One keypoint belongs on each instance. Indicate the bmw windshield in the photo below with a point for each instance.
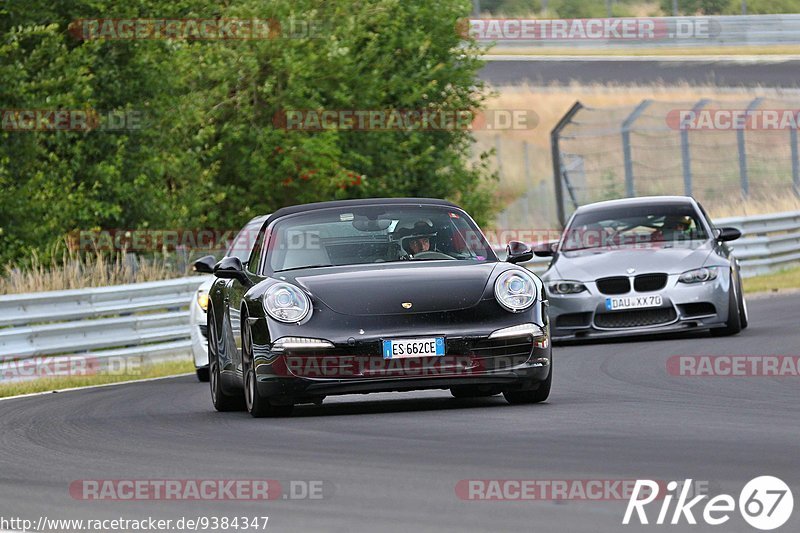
(660, 225)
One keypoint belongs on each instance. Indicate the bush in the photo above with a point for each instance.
(209, 154)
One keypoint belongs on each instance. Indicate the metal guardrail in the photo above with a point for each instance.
(145, 320)
(768, 243)
(149, 320)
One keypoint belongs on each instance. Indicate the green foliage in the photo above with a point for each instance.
(208, 153)
(762, 7)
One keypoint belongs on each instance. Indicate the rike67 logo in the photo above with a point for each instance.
(765, 503)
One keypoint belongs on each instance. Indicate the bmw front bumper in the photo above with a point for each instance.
(685, 306)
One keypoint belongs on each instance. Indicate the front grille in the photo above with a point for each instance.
(203, 330)
(615, 285)
(515, 346)
(573, 320)
(635, 319)
(463, 356)
(650, 282)
(698, 309)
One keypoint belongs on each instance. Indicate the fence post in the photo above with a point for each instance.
(745, 179)
(795, 161)
(686, 157)
(555, 152)
(498, 156)
(626, 145)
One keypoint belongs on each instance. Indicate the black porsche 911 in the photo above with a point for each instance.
(374, 295)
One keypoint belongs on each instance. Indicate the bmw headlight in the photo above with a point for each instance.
(286, 303)
(566, 287)
(515, 290)
(698, 275)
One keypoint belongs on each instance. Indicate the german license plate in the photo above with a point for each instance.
(400, 348)
(633, 302)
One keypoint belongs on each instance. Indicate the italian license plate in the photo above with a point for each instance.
(633, 302)
(400, 348)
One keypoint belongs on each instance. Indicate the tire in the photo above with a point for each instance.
(257, 405)
(222, 401)
(531, 396)
(202, 374)
(743, 318)
(473, 391)
(254, 403)
(734, 323)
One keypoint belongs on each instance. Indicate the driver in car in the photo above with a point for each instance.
(419, 244)
(417, 239)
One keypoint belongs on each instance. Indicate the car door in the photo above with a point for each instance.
(251, 243)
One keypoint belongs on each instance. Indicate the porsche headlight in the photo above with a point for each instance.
(698, 275)
(286, 303)
(515, 290)
(202, 300)
(566, 287)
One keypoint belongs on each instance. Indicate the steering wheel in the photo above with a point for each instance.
(432, 255)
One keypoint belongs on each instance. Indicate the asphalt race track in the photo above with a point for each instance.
(391, 462)
(772, 74)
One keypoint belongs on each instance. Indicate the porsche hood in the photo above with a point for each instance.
(389, 289)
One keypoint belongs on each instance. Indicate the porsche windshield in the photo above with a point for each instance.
(375, 234)
(662, 225)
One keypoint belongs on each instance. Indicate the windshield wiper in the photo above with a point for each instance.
(304, 266)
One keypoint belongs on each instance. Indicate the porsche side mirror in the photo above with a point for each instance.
(517, 252)
(547, 249)
(728, 234)
(231, 268)
(205, 265)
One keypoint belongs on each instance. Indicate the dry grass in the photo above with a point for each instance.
(783, 279)
(550, 104)
(154, 370)
(78, 271)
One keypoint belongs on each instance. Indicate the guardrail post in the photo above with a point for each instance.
(795, 161)
(626, 145)
(745, 179)
(686, 156)
(556, 156)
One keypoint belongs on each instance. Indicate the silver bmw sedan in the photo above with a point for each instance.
(643, 265)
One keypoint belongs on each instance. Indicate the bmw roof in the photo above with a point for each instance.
(638, 201)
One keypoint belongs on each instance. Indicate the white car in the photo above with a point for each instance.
(240, 247)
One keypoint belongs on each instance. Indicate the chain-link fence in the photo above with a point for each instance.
(715, 151)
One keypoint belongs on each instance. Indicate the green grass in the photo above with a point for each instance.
(170, 368)
(784, 279)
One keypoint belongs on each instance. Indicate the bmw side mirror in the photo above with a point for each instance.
(518, 252)
(231, 268)
(728, 234)
(547, 249)
(205, 265)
